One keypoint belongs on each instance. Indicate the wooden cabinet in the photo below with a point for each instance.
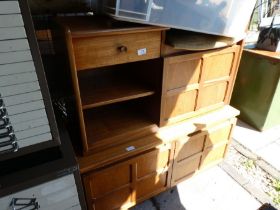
(115, 103)
(126, 94)
(128, 182)
(197, 83)
(200, 150)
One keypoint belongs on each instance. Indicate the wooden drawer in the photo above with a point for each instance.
(91, 52)
(197, 83)
(57, 194)
(128, 182)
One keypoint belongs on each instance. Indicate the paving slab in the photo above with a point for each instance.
(271, 154)
(212, 189)
(254, 139)
(146, 205)
(265, 146)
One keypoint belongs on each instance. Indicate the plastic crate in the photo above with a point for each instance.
(220, 17)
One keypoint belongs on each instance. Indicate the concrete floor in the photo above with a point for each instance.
(212, 189)
(263, 146)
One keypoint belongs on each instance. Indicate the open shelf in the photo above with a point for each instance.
(93, 95)
(111, 125)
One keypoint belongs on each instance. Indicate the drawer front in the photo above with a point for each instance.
(123, 184)
(57, 194)
(197, 83)
(110, 50)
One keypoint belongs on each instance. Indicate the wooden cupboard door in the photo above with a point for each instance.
(219, 134)
(188, 152)
(212, 156)
(197, 83)
(124, 184)
(189, 146)
(213, 94)
(201, 150)
(185, 169)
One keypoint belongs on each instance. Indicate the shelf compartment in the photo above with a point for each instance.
(116, 91)
(115, 124)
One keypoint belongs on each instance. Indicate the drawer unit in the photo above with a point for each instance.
(60, 194)
(91, 52)
(27, 121)
(200, 150)
(196, 83)
(128, 182)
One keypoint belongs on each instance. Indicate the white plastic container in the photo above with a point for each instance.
(220, 17)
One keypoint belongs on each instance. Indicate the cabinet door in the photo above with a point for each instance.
(197, 83)
(188, 152)
(123, 185)
(200, 150)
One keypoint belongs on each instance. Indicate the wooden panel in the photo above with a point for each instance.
(189, 146)
(9, 7)
(13, 57)
(115, 125)
(16, 68)
(213, 94)
(212, 156)
(218, 66)
(108, 180)
(129, 181)
(12, 33)
(218, 134)
(12, 20)
(181, 71)
(14, 45)
(102, 51)
(116, 200)
(156, 161)
(185, 168)
(148, 186)
(179, 104)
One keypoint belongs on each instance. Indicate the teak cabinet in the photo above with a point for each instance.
(140, 110)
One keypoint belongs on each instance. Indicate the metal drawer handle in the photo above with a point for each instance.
(6, 131)
(8, 140)
(122, 48)
(3, 112)
(14, 148)
(1, 102)
(24, 204)
(4, 122)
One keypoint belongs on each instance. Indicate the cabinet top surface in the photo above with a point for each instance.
(83, 26)
(264, 53)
